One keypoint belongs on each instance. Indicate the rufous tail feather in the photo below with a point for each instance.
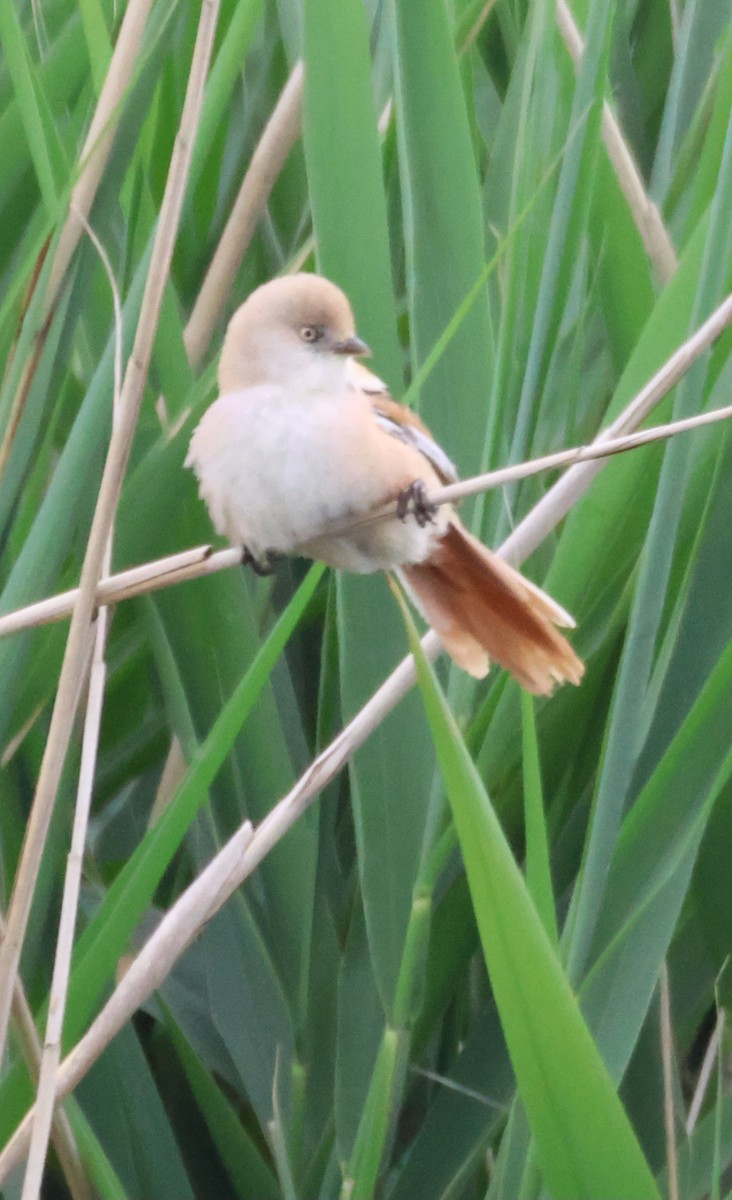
(484, 609)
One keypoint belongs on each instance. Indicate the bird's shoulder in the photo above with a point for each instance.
(399, 421)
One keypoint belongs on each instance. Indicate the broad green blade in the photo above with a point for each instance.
(586, 1144)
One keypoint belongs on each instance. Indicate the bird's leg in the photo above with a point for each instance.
(414, 499)
(261, 567)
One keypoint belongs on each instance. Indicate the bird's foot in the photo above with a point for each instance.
(261, 566)
(414, 499)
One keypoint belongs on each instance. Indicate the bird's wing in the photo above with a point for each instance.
(400, 422)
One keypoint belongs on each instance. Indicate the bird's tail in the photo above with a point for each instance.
(484, 609)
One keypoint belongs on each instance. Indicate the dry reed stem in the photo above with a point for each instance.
(198, 334)
(478, 24)
(574, 483)
(201, 561)
(76, 657)
(175, 568)
(98, 143)
(62, 1135)
(645, 213)
(51, 1056)
(174, 770)
(93, 159)
(246, 849)
(279, 136)
(593, 452)
(643, 210)
(192, 564)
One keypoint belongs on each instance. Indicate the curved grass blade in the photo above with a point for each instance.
(586, 1143)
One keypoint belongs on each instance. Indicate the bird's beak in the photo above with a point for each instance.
(352, 345)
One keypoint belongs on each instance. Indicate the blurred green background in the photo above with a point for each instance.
(355, 1021)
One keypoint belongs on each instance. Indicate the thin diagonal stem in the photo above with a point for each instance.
(583, 461)
(644, 211)
(247, 849)
(77, 654)
(46, 1090)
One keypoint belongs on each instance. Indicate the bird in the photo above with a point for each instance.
(304, 444)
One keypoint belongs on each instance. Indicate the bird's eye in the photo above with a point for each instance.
(311, 333)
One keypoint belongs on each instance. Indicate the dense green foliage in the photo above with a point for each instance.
(375, 1013)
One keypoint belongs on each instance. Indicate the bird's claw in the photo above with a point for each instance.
(261, 566)
(414, 499)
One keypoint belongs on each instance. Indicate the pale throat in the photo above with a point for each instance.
(289, 366)
(319, 371)
(304, 369)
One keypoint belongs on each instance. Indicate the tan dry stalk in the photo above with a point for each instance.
(599, 449)
(645, 214)
(201, 561)
(269, 157)
(478, 24)
(173, 774)
(205, 896)
(62, 1135)
(274, 147)
(644, 211)
(246, 849)
(583, 454)
(77, 654)
(279, 136)
(98, 142)
(574, 483)
(192, 564)
(175, 568)
(94, 157)
(51, 1057)
(46, 1089)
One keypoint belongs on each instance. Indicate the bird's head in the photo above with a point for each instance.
(298, 328)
